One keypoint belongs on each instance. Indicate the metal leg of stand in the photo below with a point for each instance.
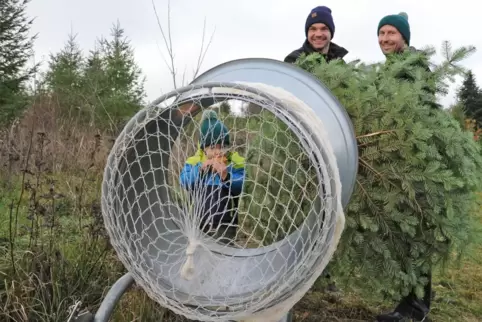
(112, 298)
(115, 293)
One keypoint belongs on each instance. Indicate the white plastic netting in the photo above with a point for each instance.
(242, 239)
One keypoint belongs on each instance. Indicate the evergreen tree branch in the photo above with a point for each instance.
(418, 169)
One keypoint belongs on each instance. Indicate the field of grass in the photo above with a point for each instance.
(76, 263)
(54, 250)
(458, 297)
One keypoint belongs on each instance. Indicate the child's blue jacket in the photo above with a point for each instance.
(218, 197)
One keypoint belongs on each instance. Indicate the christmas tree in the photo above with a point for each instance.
(418, 174)
(16, 50)
(470, 97)
(281, 183)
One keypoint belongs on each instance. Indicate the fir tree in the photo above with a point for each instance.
(16, 49)
(126, 91)
(95, 85)
(64, 76)
(94, 73)
(105, 88)
(225, 108)
(470, 96)
(418, 176)
(280, 185)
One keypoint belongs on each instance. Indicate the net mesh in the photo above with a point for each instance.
(224, 213)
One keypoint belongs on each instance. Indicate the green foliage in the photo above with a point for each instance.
(225, 108)
(470, 97)
(419, 171)
(105, 88)
(458, 112)
(281, 184)
(16, 48)
(125, 92)
(64, 75)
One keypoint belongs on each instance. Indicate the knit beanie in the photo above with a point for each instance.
(213, 131)
(400, 22)
(320, 14)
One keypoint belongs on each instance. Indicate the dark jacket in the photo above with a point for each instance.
(334, 52)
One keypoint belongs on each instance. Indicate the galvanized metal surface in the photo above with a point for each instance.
(144, 236)
(310, 90)
(112, 298)
(104, 313)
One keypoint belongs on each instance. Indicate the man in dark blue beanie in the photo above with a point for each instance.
(319, 32)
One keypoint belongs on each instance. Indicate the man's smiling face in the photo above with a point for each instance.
(390, 40)
(319, 36)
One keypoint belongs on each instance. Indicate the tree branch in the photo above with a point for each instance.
(168, 44)
(202, 54)
(170, 48)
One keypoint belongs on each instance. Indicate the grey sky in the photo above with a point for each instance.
(248, 28)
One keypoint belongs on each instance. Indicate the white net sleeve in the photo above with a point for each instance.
(229, 213)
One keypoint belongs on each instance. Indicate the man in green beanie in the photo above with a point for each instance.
(394, 33)
(219, 172)
(394, 40)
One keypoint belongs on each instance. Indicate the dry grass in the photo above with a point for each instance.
(55, 251)
(69, 145)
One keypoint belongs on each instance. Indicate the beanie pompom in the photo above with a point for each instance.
(399, 21)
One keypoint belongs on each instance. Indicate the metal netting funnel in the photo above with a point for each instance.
(147, 224)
